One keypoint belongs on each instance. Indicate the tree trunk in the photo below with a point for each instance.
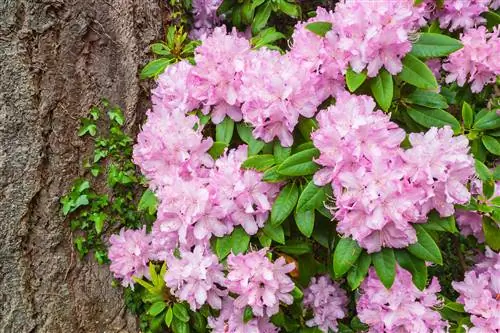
(57, 58)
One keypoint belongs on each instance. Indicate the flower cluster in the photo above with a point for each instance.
(205, 17)
(379, 188)
(403, 308)
(479, 293)
(478, 62)
(457, 14)
(328, 303)
(259, 283)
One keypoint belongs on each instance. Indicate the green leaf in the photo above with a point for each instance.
(319, 28)
(245, 133)
(427, 98)
(264, 240)
(247, 314)
(116, 115)
(276, 233)
(180, 312)
(433, 117)
(199, 322)
(224, 131)
(297, 293)
(431, 45)
(247, 12)
(354, 80)
(217, 149)
(382, 89)
(284, 204)
(223, 246)
(346, 253)
(438, 223)
(280, 153)
(296, 247)
(87, 126)
(169, 316)
(417, 73)
(290, 9)
(160, 49)
(490, 120)
(179, 326)
(239, 240)
(467, 114)
(155, 67)
(266, 37)
(307, 126)
(259, 162)
(261, 17)
(305, 222)
(425, 248)
(148, 202)
(157, 308)
(271, 176)
(312, 197)
(491, 144)
(492, 19)
(300, 164)
(415, 266)
(491, 233)
(98, 219)
(385, 266)
(359, 270)
(482, 171)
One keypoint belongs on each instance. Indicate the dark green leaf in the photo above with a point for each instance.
(492, 19)
(259, 162)
(307, 126)
(247, 314)
(271, 176)
(359, 270)
(284, 204)
(224, 131)
(199, 322)
(416, 73)
(490, 120)
(354, 80)
(319, 28)
(425, 248)
(467, 115)
(491, 233)
(346, 253)
(179, 326)
(433, 117)
(276, 233)
(415, 266)
(300, 164)
(437, 223)
(382, 89)
(385, 266)
(296, 247)
(491, 144)
(427, 98)
(261, 17)
(305, 222)
(180, 312)
(431, 45)
(482, 171)
(311, 197)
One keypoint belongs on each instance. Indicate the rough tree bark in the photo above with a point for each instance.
(57, 58)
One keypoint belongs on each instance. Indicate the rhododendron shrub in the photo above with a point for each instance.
(310, 188)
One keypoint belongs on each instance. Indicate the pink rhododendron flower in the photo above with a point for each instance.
(435, 66)
(478, 62)
(241, 195)
(168, 146)
(215, 81)
(205, 17)
(196, 277)
(230, 320)
(470, 223)
(457, 14)
(276, 91)
(328, 302)
(258, 282)
(479, 293)
(441, 165)
(402, 308)
(381, 38)
(129, 253)
(172, 92)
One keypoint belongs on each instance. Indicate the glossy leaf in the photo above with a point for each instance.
(319, 28)
(432, 45)
(259, 162)
(354, 80)
(382, 89)
(346, 253)
(385, 266)
(300, 164)
(359, 271)
(284, 204)
(417, 73)
(425, 248)
(433, 117)
(305, 222)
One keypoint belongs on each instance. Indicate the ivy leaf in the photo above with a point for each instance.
(319, 28)
(300, 164)
(382, 89)
(259, 162)
(491, 233)
(433, 117)
(116, 115)
(354, 80)
(359, 270)
(491, 144)
(276, 233)
(284, 204)
(312, 197)
(148, 202)
(87, 126)
(467, 114)
(98, 219)
(425, 248)
(180, 312)
(432, 45)
(415, 266)
(428, 99)
(305, 222)
(239, 240)
(224, 131)
(417, 73)
(385, 266)
(346, 253)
